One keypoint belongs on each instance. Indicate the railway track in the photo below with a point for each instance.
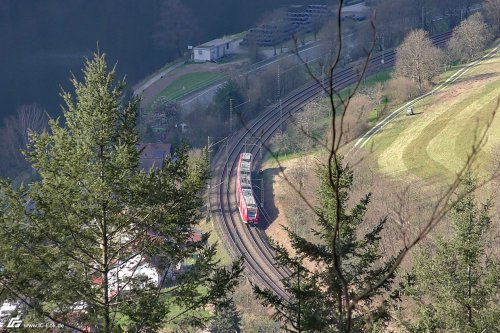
(251, 242)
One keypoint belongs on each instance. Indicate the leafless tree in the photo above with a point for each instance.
(328, 36)
(175, 26)
(15, 136)
(164, 112)
(491, 10)
(395, 18)
(272, 82)
(281, 142)
(454, 10)
(469, 38)
(276, 17)
(376, 94)
(356, 119)
(306, 124)
(417, 59)
(272, 16)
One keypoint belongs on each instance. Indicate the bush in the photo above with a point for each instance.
(401, 89)
(356, 117)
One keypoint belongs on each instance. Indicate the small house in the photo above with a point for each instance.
(137, 266)
(7, 309)
(215, 49)
(153, 155)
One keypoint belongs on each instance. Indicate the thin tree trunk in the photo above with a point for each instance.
(105, 253)
(178, 47)
(469, 294)
(469, 282)
(107, 319)
(298, 306)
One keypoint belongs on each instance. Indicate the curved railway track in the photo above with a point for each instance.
(251, 242)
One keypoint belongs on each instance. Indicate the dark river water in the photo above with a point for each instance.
(43, 41)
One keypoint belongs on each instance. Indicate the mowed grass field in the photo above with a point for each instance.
(189, 83)
(434, 143)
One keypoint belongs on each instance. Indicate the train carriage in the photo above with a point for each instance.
(244, 193)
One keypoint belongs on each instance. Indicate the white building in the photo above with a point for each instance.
(7, 309)
(120, 276)
(215, 49)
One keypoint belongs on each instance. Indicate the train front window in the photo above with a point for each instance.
(252, 214)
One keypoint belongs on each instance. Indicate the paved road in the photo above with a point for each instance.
(309, 52)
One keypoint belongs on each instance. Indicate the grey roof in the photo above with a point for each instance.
(153, 155)
(217, 42)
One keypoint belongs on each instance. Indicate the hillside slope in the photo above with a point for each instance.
(423, 152)
(436, 140)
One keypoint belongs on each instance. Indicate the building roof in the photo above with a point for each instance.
(217, 42)
(6, 309)
(153, 155)
(120, 276)
(196, 236)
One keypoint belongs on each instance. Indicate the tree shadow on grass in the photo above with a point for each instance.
(474, 78)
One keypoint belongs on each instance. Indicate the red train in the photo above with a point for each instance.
(244, 194)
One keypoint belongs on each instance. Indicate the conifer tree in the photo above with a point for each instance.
(68, 239)
(226, 319)
(326, 298)
(455, 283)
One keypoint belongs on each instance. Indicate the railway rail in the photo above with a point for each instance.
(251, 242)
